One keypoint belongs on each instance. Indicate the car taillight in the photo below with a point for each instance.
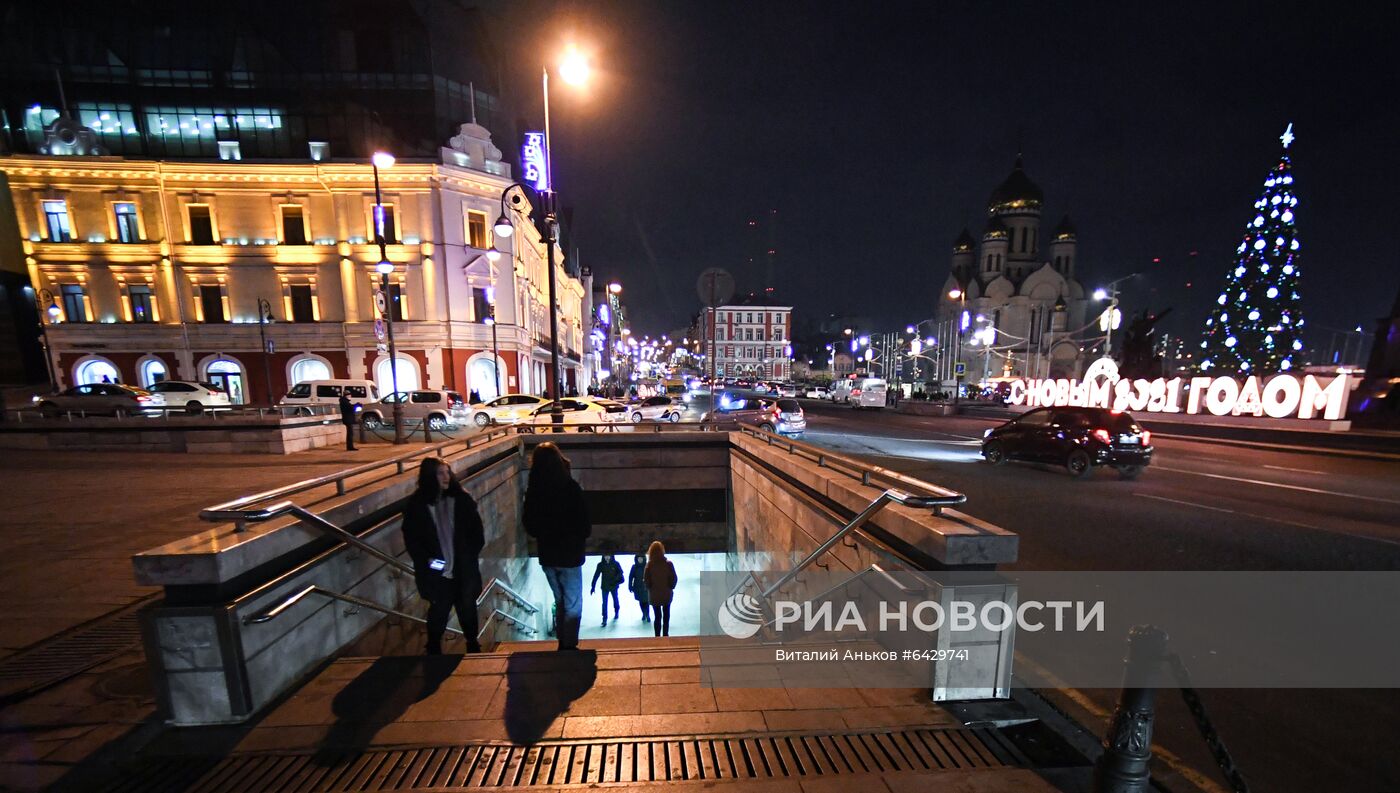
(1103, 437)
(143, 399)
(855, 392)
(1146, 437)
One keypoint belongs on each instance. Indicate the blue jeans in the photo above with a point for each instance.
(567, 585)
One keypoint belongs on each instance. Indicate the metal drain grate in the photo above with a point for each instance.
(557, 763)
(56, 660)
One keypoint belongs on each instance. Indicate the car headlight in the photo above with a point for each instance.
(987, 433)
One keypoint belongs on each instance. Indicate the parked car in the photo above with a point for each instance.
(840, 392)
(783, 416)
(787, 389)
(657, 408)
(507, 409)
(194, 396)
(441, 409)
(1077, 438)
(327, 392)
(587, 412)
(867, 392)
(817, 392)
(103, 399)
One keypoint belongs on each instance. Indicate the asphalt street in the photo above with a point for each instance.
(1200, 506)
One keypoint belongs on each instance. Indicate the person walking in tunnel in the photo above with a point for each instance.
(611, 573)
(660, 579)
(637, 585)
(443, 533)
(557, 517)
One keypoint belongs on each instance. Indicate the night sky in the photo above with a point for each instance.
(877, 131)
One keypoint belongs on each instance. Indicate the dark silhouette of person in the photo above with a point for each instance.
(443, 534)
(637, 585)
(347, 417)
(610, 572)
(660, 577)
(556, 515)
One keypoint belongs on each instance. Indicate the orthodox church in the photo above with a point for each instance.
(1007, 282)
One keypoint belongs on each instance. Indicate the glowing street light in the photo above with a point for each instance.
(573, 67)
(383, 159)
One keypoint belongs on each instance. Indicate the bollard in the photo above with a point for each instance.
(427, 437)
(1127, 747)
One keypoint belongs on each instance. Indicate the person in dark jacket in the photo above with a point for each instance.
(610, 572)
(637, 585)
(443, 533)
(347, 417)
(557, 517)
(660, 577)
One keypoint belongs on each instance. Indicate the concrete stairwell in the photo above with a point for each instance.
(627, 713)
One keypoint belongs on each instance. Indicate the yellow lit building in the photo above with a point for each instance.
(158, 270)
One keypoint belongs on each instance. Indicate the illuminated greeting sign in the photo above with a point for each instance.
(532, 161)
(1281, 396)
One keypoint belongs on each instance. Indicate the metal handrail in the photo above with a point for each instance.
(941, 496)
(497, 613)
(241, 517)
(155, 412)
(520, 600)
(859, 520)
(244, 503)
(277, 610)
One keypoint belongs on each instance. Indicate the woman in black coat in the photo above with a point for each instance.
(556, 516)
(443, 533)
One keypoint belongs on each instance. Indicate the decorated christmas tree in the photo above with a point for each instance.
(1256, 325)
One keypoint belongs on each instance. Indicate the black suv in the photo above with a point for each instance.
(1077, 438)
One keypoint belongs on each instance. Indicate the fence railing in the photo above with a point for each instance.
(34, 414)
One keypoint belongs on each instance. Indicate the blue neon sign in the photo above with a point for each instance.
(533, 163)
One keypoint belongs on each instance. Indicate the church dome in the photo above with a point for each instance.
(996, 229)
(964, 243)
(1065, 231)
(1016, 194)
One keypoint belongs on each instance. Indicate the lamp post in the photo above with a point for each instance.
(382, 159)
(960, 296)
(264, 317)
(1111, 317)
(40, 298)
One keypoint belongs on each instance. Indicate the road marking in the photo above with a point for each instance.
(1280, 484)
(1296, 470)
(1187, 503)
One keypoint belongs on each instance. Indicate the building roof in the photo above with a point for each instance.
(996, 229)
(1065, 229)
(964, 243)
(1017, 192)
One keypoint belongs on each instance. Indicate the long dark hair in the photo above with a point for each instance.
(548, 466)
(428, 488)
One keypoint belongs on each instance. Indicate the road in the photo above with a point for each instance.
(1200, 506)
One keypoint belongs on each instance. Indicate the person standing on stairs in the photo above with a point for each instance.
(556, 516)
(611, 573)
(637, 585)
(660, 579)
(443, 534)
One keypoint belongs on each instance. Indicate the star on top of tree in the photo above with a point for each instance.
(1287, 136)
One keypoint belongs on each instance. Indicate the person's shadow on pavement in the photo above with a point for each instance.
(378, 697)
(541, 686)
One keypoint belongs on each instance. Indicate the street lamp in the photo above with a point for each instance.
(383, 159)
(40, 298)
(960, 296)
(264, 317)
(1111, 317)
(495, 346)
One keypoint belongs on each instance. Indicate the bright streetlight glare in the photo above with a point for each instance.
(385, 267)
(615, 288)
(1100, 294)
(382, 159)
(573, 67)
(908, 328)
(503, 227)
(955, 293)
(493, 254)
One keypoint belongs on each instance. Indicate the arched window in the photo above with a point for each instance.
(152, 371)
(227, 374)
(95, 370)
(304, 369)
(482, 377)
(408, 379)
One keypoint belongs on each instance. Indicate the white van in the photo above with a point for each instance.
(327, 392)
(841, 391)
(868, 392)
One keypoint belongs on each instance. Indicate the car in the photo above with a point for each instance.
(817, 392)
(587, 412)
(867, 392)
(657, 408)
(840, 392)
(782, 416)
(441, 409)
(194, 396)
(109, 399)
(1078, 438)
(507, 409)
(327, 392)
(787, 389)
